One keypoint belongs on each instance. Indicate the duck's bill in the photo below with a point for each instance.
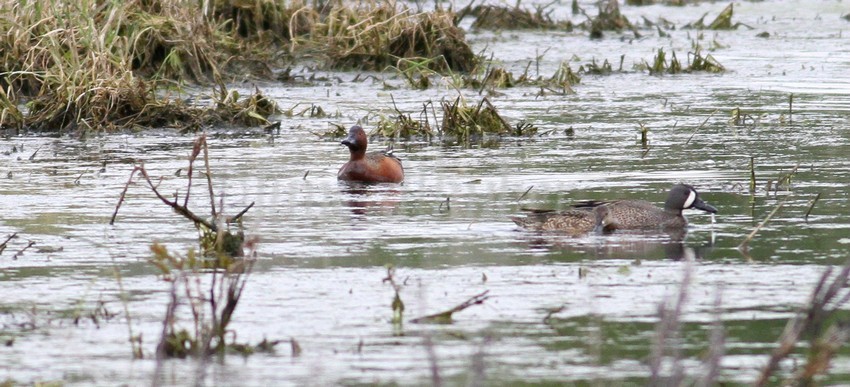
(701, 205)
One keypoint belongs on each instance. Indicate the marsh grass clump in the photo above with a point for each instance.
(594, 68)
(608, 18)
(498, 17)
(563, 78)
(102, 67)
(494, 77)
(723, 21)
(403, 125)
(467, 122)
(704, 63)
(660, 65)
(375, 35)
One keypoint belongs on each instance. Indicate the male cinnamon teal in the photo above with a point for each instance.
(372, 167)
(620, 214)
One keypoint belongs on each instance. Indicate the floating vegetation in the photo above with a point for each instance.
(594, 68)
(706, 63)
(402, 125)
(523, 128)
(660, 65)
(468, 122)
(563, 78)
(497, 77)
(723, 21)
(496, 17)
(608, 18)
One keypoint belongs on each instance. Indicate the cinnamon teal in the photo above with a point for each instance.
(372, 167)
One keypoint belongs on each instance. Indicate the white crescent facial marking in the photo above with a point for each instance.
(692, 196)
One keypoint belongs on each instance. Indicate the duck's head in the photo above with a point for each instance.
(356, 140)
(683, 196)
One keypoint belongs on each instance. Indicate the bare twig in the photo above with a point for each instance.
(700, 127)
(717, 346)
(177, 208)
(432, 361)
(124, 193)
(525, 193)
(196, 150)
(239, 215)
(446, 316)
(809, 211)
(203, 140)
(746, 241)
(21, 251)
(3, 245)
(791, 108)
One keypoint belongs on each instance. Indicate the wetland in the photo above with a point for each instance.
(83, 304)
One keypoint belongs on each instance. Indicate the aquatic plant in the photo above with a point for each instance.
(466, 122)
(222, 256)
(660, 64)
(500, 17)
(723, 21)
(397, 304)
(216, 241)
(608, 18)
(401, 125)
(597, 69)
(211, 305)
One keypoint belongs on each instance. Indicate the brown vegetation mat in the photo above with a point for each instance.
(109, 66)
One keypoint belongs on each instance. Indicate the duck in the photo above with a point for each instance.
(372, 167)
(608, 216)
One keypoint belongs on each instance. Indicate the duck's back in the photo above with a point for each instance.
(573, 222)
(639, 215)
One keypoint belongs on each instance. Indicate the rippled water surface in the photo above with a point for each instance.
(560, 308)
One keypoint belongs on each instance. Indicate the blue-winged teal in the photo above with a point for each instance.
(608, 216)
(373, 167)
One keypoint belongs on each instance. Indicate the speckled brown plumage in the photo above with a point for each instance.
(619, 214)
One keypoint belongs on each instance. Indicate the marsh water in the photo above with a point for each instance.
(561, 309)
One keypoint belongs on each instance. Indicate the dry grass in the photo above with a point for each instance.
(81, 66)
(376, 35)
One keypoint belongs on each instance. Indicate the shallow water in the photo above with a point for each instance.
(324, 244)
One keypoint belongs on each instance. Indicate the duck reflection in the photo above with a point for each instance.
(621, 245)
(366, 198)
